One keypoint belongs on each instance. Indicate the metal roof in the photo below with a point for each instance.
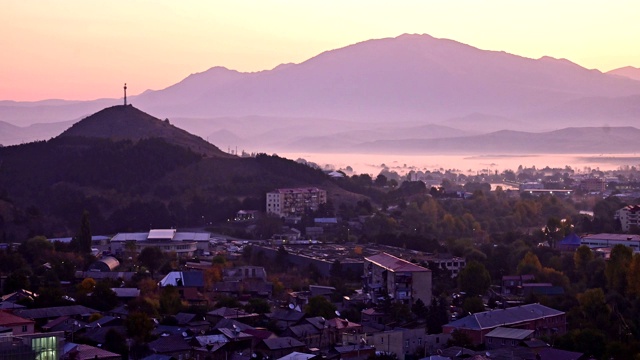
(509, 333)
(394, 264)
(501, 317)
(161, 234)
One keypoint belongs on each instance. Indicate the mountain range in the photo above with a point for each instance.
(366, 96)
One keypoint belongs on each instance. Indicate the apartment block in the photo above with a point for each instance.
(294, 201)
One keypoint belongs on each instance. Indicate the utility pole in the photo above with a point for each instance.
(125, 94)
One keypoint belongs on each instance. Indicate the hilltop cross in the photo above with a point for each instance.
(125, 94)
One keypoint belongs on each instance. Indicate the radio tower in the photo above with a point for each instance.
(125, 94)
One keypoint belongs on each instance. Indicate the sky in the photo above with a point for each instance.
(84, 50)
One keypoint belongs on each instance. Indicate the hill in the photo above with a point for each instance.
(131, 171)
(128, 123)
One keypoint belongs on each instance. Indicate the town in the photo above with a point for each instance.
(545, 269)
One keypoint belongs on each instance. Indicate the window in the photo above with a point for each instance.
(406, 344)
(24, 328)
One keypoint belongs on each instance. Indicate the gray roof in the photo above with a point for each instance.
(168, 344)
(126, 292)
(509, 333)
(297, 356)
(187, 278)
(184, 318)
(503, 317)
(282, 343)
(52, 312)
(303, 330)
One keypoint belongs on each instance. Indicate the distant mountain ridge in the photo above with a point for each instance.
(626, 71)
(375, 91)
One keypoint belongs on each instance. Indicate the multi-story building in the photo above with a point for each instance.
(447, 262)
(183, 244)
(400, 280)
(593, 185)
(629, 216)
(597, 241)
(544, 321)
(294, 202)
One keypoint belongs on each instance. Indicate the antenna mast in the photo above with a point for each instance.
(125, 94)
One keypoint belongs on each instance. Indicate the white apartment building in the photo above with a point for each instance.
(294, 201)
(402, 281)
(629, 216)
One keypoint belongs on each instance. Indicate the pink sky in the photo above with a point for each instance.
(81, 50)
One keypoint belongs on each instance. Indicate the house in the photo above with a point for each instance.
(172, 345)
(214, 316)
(360, 351)
(512, 284)
(543, 320)
(17, 324)
(506, 337)
(43, 315)
(399, 341)
(402, 281)
(190, 284)
(88, 352)
(279, 347)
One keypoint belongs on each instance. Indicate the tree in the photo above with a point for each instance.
(258, 306)
(472, 304)
(381, 180)
(474, 279)
(139, 326)
(530, 264)
(170, 302)
(633, 276)
(320, 306)
(152, 258)
(82, 241)
(618, 267)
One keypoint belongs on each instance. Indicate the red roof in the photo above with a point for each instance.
(394, 264)
(8, 319)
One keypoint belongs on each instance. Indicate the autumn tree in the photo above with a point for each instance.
(618, 267)
(320, 306)
(530, 264)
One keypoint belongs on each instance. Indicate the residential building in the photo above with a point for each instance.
(279, 347)
(17, 324)
(448, 262)
(386, 275)
(45, 346)
(294, 201)
(190, 285)
(512, 284)
(593, 185)
(629, 216)
(545, 321)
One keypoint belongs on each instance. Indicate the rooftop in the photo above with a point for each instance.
(504, 317)
(394, 264)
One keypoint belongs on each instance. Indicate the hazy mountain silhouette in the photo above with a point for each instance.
(128, 123)
(569, 140)
(374, 90)
(626, 71)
